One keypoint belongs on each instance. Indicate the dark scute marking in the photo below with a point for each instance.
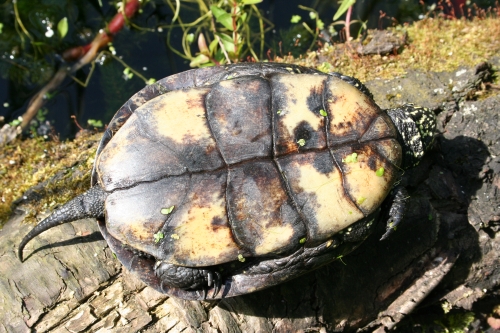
(306, 201)
(257, 200)
(323, 165)
(238, 114)
(372, 162)
(303, 131)
(315, 100)
(217, 222)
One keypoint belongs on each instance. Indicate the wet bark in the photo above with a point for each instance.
(445, 250)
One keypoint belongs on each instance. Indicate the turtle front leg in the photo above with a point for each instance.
(188, 278)
(398, 197)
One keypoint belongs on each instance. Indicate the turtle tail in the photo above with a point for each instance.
(88, 204)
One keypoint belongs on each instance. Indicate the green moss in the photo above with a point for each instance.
(434, 44)
(62, 168)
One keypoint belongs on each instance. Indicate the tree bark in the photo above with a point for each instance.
(446, 249)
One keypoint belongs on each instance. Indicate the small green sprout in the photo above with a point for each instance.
(166, 211)
(323, 113)
(94, 123)
(380, 172)
(158, 236)
(241, 258)
(174, 236)
(295, 19)
(127, 74)
(302, 240)
(430, 216)
(301, 142)
(278, 112)
(353, 158)
(360, 200)
(325, 68)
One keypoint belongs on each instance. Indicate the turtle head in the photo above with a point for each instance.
(416, 126)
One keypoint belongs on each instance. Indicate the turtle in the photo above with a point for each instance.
(221, 181)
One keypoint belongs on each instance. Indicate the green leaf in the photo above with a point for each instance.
(301, 142)
(302, 240)
(222, 17)
(213, 46)
(343, 8)
(166, 211)
(227, 41)
(241, 258)
(199, 60)
(323, 113)
(296, 19)
(62, 27)
(312, 15)
(1, 27)
(250, 2)
(190, 38)
(380, 172)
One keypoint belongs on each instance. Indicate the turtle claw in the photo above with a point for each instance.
(396, 211)
(213, 279)
(188, 278)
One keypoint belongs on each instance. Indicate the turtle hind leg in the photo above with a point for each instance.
(188, 278)
(398, 198)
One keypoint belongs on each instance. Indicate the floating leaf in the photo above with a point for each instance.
(62, 27)
(166, 211)
(296, 19)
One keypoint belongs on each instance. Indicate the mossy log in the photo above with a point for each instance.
(446, 249)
